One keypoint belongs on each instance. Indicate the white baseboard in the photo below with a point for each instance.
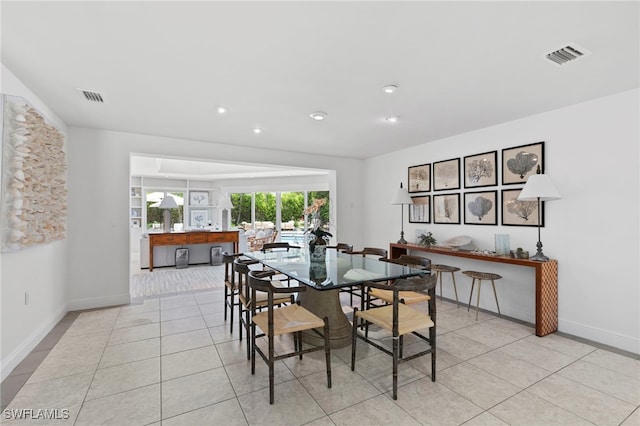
(29, 344)
(99, 302)
(605, 337)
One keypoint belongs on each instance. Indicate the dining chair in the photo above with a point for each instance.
(400, 319)
(290, 319)
(230, 285)
(342, 247)
(249, 301)
(357, 290)
(407, 297)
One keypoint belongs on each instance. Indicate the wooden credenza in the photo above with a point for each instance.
(196, 237)
(546, 279)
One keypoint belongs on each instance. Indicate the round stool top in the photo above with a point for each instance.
(444, 268)
(482, 275)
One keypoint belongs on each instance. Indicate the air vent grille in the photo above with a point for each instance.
(91, 95)
(567, 54)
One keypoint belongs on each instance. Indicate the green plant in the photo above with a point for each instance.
(427, 239)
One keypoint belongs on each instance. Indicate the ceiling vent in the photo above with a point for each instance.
(92, 96)
(566, 54)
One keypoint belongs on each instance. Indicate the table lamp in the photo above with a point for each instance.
(401, 197)
(539, 187)
(167, 203)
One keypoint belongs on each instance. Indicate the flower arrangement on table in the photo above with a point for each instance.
(316, 225)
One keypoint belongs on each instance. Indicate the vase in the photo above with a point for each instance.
(317, 250)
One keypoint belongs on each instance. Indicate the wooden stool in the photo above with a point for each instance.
(482, 276)
(439, 269)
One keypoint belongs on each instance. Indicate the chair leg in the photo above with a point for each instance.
(354, 339)
(226, 300)
(395, 367)
(271, 369)
(493, 284)
(455, 289)
(247, 324)
(253, 349)
(327, 350)
(233, 296)
(432, 342)
(478, 301)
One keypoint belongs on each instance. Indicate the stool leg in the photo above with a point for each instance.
(496, 296)
(439, 276)
(478, 301)
(455, 289)
(473, 282)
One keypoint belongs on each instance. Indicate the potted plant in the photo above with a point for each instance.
(427, 240)
(319, 237)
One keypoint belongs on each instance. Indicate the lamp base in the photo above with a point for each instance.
(402, 240)
(539, 256)
(166, 223)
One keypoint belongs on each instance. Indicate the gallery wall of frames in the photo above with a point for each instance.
(465, 190)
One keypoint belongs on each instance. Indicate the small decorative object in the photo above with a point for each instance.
(457, 242)
(182, 258)
(318, 272)
(502, 244)
(446, 175)
(520, 254)
(520, 162)
(427, 240)
(318, 235)
(420, 178)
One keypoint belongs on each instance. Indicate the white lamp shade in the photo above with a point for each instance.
(401, 197)
(225, 203)
(168, 202)
(539, 187)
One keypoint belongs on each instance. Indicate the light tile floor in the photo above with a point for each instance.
(172, 361)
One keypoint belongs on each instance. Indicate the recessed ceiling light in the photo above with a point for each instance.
(257, 130)
(390, 88)
(318, 115)
(222, 110)
(392, 119)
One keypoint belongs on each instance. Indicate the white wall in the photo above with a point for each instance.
(99, 202)
(40, 271)
(592, 155)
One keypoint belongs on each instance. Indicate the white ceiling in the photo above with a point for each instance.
(164, 67)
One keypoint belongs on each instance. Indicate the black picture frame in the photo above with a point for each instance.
(481, 170)
(420, 210)
(446, 209)
(419, 178)
(481, 208)
(520, 213)
(520, 162)
(446, 175)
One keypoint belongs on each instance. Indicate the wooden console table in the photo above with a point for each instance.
(546, 279)
(196, 237)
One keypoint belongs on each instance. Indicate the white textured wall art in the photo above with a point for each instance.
(34, 193)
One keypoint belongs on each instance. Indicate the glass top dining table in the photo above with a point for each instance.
(323, 281)
(338, 270)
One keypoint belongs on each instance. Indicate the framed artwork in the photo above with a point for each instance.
(520, 213)
(520, 162)
(420, 178)
(481, 208)
(420, 209)
(481, 170)
(199, 218)
(446, 208)
(446, 175)
(198, 198)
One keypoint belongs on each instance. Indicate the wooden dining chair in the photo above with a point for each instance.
(249, 301)
(379, 253)
(231, 291)
(290, 319)
(408, 297)
(342, 247)
(400, 319)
